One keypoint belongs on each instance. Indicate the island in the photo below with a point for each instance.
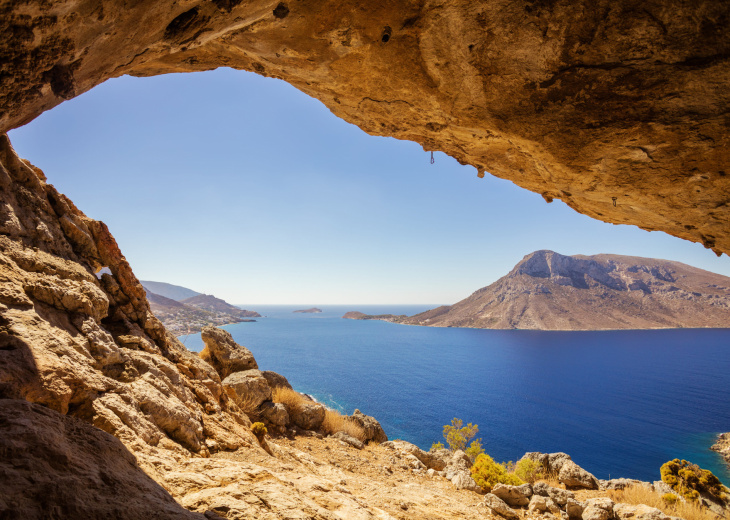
(313, 310)
(392, 318)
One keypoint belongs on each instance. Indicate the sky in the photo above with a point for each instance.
(241, 186)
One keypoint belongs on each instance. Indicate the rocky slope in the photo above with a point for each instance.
(208, 302)
(168, 290)
(722, 446)
(550, 291)
(617, 107)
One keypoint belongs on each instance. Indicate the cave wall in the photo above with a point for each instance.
(617, 107)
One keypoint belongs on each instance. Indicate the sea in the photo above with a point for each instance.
(620, 403)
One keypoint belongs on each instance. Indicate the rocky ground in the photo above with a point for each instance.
(722, 446)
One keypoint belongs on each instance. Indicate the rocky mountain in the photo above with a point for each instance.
(174, 292)
(192, 314)
(550, 291)
(208, 302)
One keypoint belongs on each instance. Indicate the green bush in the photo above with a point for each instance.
(487, 473)
(457, 436)
(669, 498)
(437, 446)
(529, 470)
(689, 480)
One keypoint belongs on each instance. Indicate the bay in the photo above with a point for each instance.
(621, 403)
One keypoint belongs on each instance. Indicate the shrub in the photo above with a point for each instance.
(457, 436)
(335, 422)
(436, 446)
(288, 397)
(529, 470)
(258, 429)
(689, 480)
(487, 473)
(669, 498)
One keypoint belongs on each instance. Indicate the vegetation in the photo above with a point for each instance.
(457, 436)
(672, 507)
(259, 430)
(335, 422)
(288, 397)
(689, 480)
(487, 473)
(529, 470)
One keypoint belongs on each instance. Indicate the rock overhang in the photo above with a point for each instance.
(620, 109)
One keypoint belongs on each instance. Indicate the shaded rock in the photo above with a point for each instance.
(598, 509)
(514, 496)
(573, 476)
(574, 509)
(224, 354)
(249, 387)
(274, 415)
(54, 465)
(541, 504)
(557, 460)
(352, 441)
(373, 431)
(308, 416)
(276, 380)
(559, 496)
(638, 512)
(497, 506)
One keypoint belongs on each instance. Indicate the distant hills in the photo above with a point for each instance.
(184, 311)
(550, 291)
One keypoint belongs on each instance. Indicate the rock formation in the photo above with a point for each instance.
(550, 291)
(722, 446)
(616, 107)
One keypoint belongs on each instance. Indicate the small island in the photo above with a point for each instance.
(309, 311)
(392, 318)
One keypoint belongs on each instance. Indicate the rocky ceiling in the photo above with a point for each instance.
(620, 108)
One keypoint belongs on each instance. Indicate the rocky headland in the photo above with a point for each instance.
(722, 446)
(550, 291)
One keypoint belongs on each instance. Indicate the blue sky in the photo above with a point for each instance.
(243, 187)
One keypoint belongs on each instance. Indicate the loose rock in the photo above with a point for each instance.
(224, 353)
(497, 506)
(573, 476)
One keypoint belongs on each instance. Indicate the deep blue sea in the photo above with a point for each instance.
(621, 403)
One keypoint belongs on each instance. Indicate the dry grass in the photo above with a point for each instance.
(551, 479)
(643, 495)
(249, 405)
(335, 422)
(288, 397)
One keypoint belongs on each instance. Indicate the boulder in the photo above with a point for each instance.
(541, 458)
(541, 504)
(598, 509)
(249, 388)
(276, 380)
(559, 496)
(436, 460)
(498, 507)
(373, 431)
(308, 416)
(274, 415)
(514, 496)
(224, 354)
(556, 461)
(574, 509)
(638, 512)
(573, 476)
(620, 483)
(459, 463)
(347, 439)
(463, 480)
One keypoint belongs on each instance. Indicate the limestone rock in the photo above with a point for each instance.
(638, 512)
(276, 380)
(497, 506)
(574, 509)
(465, 481)
(514, 496)
(573, 476)
(541, 504)
(559, 496)
(308, 416)
(249, 387)
(274, 415)
(373, 431)
(620, 483)
(224, 353)
(54, 464)
(598, 509)
(348, 439)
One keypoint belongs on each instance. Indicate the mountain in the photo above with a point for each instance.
(174, 292)
(210, 303)
(550, 291)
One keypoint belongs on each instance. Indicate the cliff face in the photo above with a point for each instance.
(617, 107)
(547, 290)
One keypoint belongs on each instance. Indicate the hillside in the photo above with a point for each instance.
(550, 291)
(210, 303)
(173, 292)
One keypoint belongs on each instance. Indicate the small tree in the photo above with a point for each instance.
(457, 436)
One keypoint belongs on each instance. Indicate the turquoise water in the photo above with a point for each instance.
(621, 403)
